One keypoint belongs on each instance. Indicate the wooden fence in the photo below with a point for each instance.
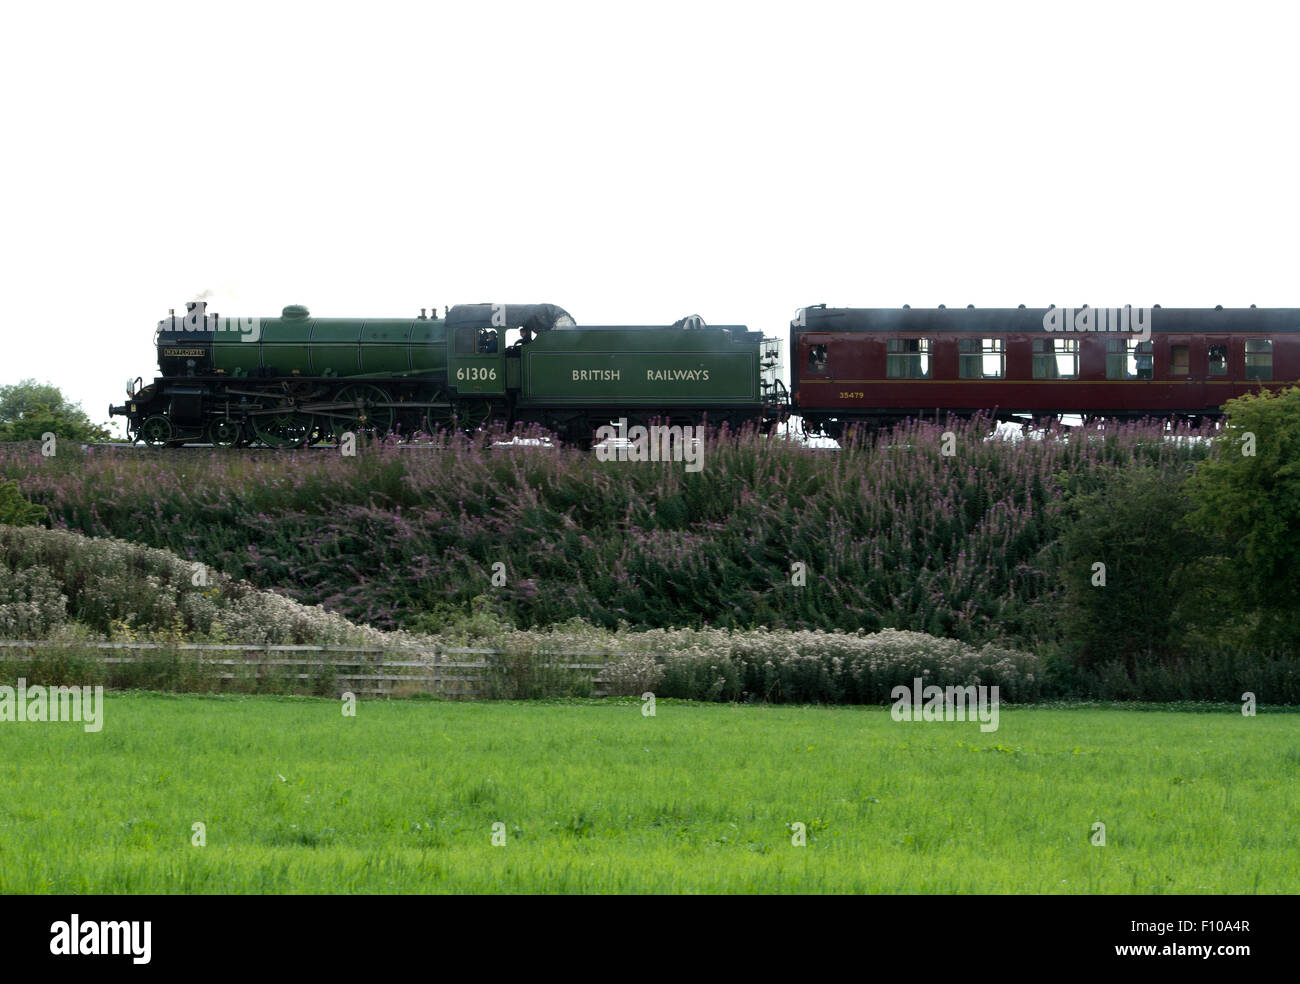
(376, 672)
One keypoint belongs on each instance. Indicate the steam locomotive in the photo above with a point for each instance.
(297, 379)
(293, 380)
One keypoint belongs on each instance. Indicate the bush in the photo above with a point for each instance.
(1205, 676)
(31, 604)
(1137, 606)
(524, 671)
(892, 533)
(15, 510)
(632, 675)
(696, 675)
(1248, 502)
(825, 667)
(121, 590)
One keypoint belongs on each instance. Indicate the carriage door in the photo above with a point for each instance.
(1219, 371)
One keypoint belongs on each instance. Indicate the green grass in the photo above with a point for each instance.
(597, 798)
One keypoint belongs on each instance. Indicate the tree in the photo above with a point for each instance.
(1247, 496)
(23, 397)
(29, 409)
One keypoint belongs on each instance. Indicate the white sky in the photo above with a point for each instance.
(631, 164)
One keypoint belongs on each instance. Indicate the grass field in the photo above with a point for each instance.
(596, 797)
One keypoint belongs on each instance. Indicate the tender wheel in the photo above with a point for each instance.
(225, 433)
(156, 431)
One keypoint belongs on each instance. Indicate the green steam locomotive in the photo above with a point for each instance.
(295, 380)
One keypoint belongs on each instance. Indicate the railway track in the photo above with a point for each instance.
(259, 449)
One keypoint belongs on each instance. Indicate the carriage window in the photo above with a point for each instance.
(817, 358)
(1178, 360)
(981, 358)
(1117, 363)
(1218, 360)
(1056, 358)
(1259, 358)
(908, 358)
(1127, 358)
(465, 340)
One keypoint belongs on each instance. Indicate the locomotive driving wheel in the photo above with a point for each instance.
(369, 410)
(156, 431)
(473, 415)
(438, 418)
(287, 429)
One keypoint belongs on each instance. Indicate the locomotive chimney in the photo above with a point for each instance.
(421, 314)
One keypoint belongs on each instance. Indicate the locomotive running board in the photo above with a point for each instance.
(327, 407)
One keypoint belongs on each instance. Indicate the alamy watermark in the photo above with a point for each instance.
(935, 703)
(657, 442)
(1135, 321)
(196, 318)
(74, 938)
(42, 704)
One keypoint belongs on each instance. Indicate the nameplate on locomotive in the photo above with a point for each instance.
(183, 353)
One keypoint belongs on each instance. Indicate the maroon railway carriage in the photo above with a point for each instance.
(881, 365)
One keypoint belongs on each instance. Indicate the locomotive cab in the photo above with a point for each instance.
(485, 341)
